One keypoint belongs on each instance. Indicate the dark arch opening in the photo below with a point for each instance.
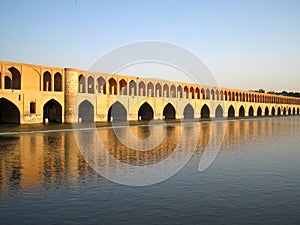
(86, 112)
(188, 112)
(231, 111)
(284, 111)
(219, 112)
(273, 111)
(278, 112)
(205, 112)
(290, 111)
(169, 112)
(251, 111)
(57, 82)
(266, 111)
(242, 111)
(298, 111)
(9, 112)
(145, 112)
(117, 112)
(294, 111)
(52, 110)
(259, 111)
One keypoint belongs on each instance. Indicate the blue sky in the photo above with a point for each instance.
(246, 44)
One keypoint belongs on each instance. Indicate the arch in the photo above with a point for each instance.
(186, 91)
(145, 112)
(259, 111)
(273, 111)
(173, 91)
(166, 91)
(179, 92)
(298, 111)
(150, 88)
(266, 111)
(207, 94)
(225, 95)
(284, 111)
(52, 110)
(212, 92)
(251, 111)
(233, 96)
(91, 85)
(9, 112)
(12, 79)
(205, 113)
(229, 96)
(101, 84)
(132, 88)
(123, 87)
(203, 93)
(197, 91)
(81, 84)
(290, 111)
(294, 111)
(278, 111)
(242, 111)
(57, 82)
(86, 112)
(142, 89)
(188, 112)
(221, 95)
(158, 90)
(231, 111)
(169, 112)
(219, 112)
(47, 81)
(192, 92)
(217, 95)
(117, 112)
(112, 86)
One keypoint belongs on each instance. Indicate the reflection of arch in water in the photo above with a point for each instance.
(9, 112)
(52, 110)
(188, 112)
(169, 112)
(145, 112)
(205, 113)
(117, 112)
(86, 112)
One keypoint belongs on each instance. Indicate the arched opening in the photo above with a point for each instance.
(101, 84)
(203, 93)
(221, 95)
(12, 79)
(52, 110)
(158, 90)
(219, 112)
(284, 111)
(150, 88)
(9, 112)
(251, 111)
(197, 93)
(186, 92)
(169, 112)
(205, 113)
(242, 111)
(192, 92)
(117, 112)
(207, 94)
(278, 111)
(47, 81)
(123, 87)
(179, 92)
(259, 111)
(145, 112)
(112, 86)
(173, 91)
(166, 91)
(57, 82)
(231, 111)
(142, 89)
(273, 111)
(290, 111)
(91, 85)
(217, 95)
(267, 111)
(294, 111)
(81, 84)
(86, 112)
(188, 112)
(298, 111)
(212, 94)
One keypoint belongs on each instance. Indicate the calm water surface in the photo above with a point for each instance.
(255, 178)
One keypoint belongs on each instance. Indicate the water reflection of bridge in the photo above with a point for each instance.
(32, 93)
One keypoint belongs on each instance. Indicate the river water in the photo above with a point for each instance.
(153, 175)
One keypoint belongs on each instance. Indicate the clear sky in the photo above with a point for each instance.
(246, 44)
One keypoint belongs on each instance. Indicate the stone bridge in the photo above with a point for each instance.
(34, 94)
